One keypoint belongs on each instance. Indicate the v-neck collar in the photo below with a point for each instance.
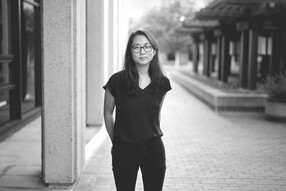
(145, 86)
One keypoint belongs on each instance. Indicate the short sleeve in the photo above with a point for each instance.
(110, 85)
(167, 85)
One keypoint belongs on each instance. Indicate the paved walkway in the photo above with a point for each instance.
(207, 151)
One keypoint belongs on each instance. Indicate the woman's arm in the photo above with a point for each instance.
(109, 105)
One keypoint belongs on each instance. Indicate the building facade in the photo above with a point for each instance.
(55, 56)
(244, 40)
(20, 63)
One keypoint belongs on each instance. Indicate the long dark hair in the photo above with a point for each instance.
(155, 71)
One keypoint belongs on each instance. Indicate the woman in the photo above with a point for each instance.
(137, 92)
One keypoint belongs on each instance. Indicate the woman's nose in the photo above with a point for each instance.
(141, 50)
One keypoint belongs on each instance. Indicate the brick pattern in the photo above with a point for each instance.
(207, 151)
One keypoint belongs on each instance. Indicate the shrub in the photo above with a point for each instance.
(275, 86)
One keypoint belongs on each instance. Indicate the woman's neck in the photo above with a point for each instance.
(143, 70)
(144, 78)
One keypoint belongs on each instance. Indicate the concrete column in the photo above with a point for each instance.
(225, 58)
(252, 59)
(243, 58)
(123, 33)
(112, 36)
(95, 61)
(105, 32)
(177, 59)
(206, 57)
(63, 112)
(274, 53)
(212, 57)
(219, 59)
(195, 56)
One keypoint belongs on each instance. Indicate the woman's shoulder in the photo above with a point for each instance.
(116, 75)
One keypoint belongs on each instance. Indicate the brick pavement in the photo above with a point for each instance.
(207, 151)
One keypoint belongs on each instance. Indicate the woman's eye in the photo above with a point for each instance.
(147, 46)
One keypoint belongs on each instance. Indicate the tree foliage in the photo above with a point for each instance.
(164, 21)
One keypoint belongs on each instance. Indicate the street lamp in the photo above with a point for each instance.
(182, 18)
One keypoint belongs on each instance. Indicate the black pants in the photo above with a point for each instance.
(150, 157)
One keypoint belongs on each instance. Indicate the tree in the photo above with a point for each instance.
(164, 21)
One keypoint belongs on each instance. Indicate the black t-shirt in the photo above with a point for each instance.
(137, 113)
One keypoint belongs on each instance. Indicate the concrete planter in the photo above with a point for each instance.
(275, 110)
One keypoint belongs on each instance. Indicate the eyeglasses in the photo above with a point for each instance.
(137, 48)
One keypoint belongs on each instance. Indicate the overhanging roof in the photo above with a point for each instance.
(195, 23)
(189, 30)
(229, 10)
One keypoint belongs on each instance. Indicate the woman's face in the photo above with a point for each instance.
(142, 50)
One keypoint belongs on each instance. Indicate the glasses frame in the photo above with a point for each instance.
(142, 47)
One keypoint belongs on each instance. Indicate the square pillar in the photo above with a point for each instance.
(196, 54)
(102, 53)
(63, 113)
(219, 58)
(243, 59)
(274, 53)
(212, 57)
(225, 58)
(206, 54)
(96, 32)
(252, 59)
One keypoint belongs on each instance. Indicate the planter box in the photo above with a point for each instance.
(221, 101)
(275, 110)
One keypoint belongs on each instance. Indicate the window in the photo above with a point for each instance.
(28, 57)
(20, 60)
(5, 61)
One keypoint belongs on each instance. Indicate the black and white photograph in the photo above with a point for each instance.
(142, 95)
